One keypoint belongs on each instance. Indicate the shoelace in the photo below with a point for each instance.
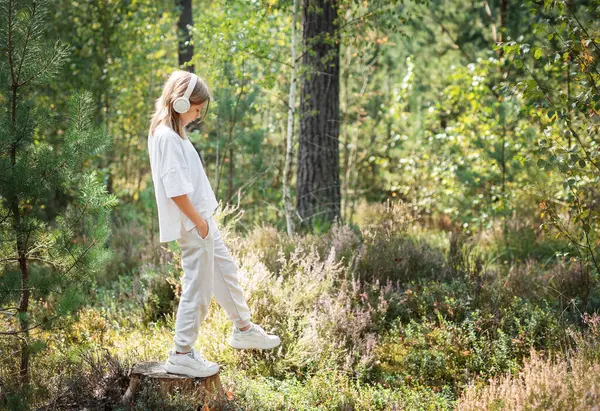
(253, 327)
(258, 329)
(192, 354)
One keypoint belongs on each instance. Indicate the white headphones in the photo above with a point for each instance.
(182, 104)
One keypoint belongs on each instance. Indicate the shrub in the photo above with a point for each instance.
(438, 352)
(544, 384)
(390, 218)
(329, 389)
(131, 243)
(327, 322)
(85, 380)
(399, 259)
(567, 283)
(522, 241)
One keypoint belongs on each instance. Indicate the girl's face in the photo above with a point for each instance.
(195, 112)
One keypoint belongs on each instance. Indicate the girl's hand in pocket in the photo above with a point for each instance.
(203, 229)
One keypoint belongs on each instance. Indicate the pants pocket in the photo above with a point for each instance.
(208, 234)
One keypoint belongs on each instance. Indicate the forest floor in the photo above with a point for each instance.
(384, 314)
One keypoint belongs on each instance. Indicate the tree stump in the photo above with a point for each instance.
(155, 373)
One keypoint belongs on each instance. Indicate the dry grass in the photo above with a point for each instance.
(545, 383)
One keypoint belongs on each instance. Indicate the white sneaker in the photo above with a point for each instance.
(253, 337)
(191, 364)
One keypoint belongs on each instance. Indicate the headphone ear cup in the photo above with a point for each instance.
(181, 105)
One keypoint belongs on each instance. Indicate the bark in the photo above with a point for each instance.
(290, 130)
(318, 186)
(346, 169)
(231, 174)
(186, 51)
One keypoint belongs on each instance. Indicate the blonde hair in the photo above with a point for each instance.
(175, 87)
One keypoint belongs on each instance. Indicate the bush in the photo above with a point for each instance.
(329, 389)
(522, 241)
(441, 353)
(328, 322)
(544, 384)
(400, 259)
(131, 245)
(86, 380)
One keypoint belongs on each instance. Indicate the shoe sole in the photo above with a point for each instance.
(187, 371)
(245, 345)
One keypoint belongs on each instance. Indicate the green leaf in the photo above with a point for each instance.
(537, 53)
(582, 163)
(550, 36)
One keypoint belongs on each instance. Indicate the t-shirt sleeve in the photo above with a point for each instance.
(172, 167)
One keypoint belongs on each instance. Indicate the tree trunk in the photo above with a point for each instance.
(186, 51)
(231, 174)
(287, 200)
(346, 144)
(318, 186)
(22, 249)
(154, 373)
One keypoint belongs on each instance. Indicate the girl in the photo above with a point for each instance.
(186, 203)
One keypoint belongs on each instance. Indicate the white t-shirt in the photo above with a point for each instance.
(177, 170)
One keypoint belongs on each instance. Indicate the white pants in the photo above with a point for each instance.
(207, 267)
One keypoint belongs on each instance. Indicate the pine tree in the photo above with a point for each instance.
(45, 256)
(318, 181)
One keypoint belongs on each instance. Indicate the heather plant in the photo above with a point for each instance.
(131, 244)
(544, 383)
(158, 289)
(399, 258)
(587, 340)
(269, 243)
(345, 241)
(391, 218)
(521, 240)
(465, 261)
(388, 252)
(564, 283)
(330, 320)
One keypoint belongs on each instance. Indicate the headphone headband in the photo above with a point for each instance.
(190, 87)
(182, 104)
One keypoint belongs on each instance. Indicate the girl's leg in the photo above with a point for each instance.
(227, 290)
(197, 260)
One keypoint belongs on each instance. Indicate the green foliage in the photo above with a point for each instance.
(48, 258)
(346, 342)
(559, 85)
(447, 352)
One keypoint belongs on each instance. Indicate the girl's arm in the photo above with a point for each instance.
(185, 205)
